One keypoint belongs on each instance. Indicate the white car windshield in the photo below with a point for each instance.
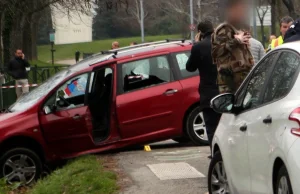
(28, 100)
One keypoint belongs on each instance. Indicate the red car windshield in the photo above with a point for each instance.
(28, 100)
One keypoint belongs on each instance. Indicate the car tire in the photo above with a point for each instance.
(182, 139)
(23, 164)
(217, 168)
(283, 183)
(195, 127)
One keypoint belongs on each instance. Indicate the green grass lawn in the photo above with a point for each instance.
(67, 51)
(81, 176)
(40, 63)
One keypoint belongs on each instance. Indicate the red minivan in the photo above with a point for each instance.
(132, 95)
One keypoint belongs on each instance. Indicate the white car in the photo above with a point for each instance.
(256, 147)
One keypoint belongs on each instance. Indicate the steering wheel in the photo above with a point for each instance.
(64, 100)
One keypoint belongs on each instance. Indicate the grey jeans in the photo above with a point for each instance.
(23, 89)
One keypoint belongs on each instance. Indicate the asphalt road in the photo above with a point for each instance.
(176, 168)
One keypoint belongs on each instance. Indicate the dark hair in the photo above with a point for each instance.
(18, 49)
(205, 27)
(286, 20)
(134, 43)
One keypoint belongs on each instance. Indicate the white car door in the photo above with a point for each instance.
(233, 146)
(265, 123)
(238, 127)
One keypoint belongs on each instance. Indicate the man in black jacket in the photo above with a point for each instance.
(201, 59)
(17, 69)
(293, 34)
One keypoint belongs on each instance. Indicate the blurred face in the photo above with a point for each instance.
(238, 14)
(19, 53)
(197, 37)
(284, 28)
(115, 45)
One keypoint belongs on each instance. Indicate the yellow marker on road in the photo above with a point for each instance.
(147, 148)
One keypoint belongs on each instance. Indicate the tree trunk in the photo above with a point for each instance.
(16, 35)
(30, 36)
(273, 17)
(262, 28)
(6, 34)
(2, 17)
(34, 36)
(279, 12)
(26, 36)
(182, 24)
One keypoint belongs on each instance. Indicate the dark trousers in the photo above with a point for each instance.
(211, 119)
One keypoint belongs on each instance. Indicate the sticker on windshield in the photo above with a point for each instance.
(76, 87)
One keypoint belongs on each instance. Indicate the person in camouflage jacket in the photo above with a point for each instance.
(231, 50)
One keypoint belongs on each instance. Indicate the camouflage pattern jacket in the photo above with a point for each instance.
(233, 59)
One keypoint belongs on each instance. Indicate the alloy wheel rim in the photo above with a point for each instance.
(199, 127)
(283, 187)
(219, 183)
(19, 168)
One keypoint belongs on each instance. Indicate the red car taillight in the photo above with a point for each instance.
(295, 116)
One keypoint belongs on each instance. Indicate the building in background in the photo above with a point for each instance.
(71, 28)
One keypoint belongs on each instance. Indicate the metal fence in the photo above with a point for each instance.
(36, 75)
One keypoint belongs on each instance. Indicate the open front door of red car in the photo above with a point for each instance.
(68, 129)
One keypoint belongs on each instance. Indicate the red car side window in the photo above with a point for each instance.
(145, 73)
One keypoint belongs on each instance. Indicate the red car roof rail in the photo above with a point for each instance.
(147, 44)
(175, 40)
(101, 59)
(139, 45)
(115, 52)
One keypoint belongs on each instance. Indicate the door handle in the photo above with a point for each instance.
(77, 117)
(243, 128)
(169, 92)
(268, 120)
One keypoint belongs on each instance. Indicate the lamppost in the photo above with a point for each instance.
(52, 40)
(142, 20)
(254, 19)
(192, 21)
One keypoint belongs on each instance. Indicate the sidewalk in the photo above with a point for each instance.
(67, 61)
(168, 168)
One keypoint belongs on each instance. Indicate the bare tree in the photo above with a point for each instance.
(262, 9)
(273, 16)
(134, 11)
(180, 11)
(20, 19)
(212, 10)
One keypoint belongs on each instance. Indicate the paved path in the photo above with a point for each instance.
(67, 62)
(187, 160)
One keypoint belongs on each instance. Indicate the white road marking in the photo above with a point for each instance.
(171, 171)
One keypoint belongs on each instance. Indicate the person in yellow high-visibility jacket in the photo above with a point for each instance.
(271, 38)
(285, 24)
(276, 42)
